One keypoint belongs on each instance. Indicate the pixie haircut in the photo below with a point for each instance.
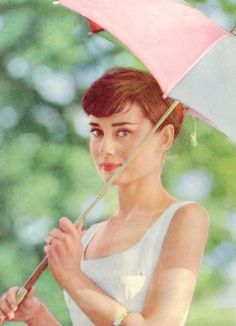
(120, 86)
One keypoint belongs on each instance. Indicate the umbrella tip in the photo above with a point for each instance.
(234, 31)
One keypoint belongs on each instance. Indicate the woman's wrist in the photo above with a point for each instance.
(41, 316)
(69, 279)
(37, 311)
(76, 281)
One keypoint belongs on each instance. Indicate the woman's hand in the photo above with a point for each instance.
(64, 250)
(9, 309)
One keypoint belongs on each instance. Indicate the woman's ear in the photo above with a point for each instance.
(165, 138)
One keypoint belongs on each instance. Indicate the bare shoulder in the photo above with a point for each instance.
(193, 207)
(191, 215)
(190, 221)
(186, 237)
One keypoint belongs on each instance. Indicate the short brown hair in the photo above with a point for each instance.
(119, 86)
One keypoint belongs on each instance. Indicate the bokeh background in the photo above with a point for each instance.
(47, 60)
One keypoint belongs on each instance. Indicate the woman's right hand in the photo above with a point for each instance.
(9, 309)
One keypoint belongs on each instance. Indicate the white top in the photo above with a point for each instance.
(125, 276)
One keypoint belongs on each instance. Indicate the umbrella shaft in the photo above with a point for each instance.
(22, 292)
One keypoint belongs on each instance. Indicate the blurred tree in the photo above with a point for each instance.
(47, 60)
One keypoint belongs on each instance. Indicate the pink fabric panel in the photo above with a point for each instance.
(200, 116)
(169, 37)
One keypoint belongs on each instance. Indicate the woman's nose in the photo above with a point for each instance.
(106, 146)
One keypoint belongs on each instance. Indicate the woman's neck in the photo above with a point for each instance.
(142, 196)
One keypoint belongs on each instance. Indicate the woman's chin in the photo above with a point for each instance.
(106, 177)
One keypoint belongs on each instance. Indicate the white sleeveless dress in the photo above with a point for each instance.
(125, 276)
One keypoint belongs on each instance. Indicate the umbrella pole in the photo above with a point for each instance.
(22, 292)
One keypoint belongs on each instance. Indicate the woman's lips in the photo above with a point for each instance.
(109, 166)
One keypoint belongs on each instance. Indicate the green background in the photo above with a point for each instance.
(47, 60)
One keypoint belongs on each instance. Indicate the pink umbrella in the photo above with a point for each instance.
(192, 57)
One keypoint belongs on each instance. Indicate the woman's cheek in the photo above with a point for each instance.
(93, 153)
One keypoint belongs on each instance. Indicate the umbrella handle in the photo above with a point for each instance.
(23, 291)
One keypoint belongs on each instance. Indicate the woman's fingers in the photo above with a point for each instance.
(55, 234)
(61, 240)
(8, 304)
(5, 308)
(4, 305)
(66, 228)
(2, 319)
(11, 298)
(10, 315)
(66, 225)
(9, 308)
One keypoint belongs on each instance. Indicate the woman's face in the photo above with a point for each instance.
(113, 138)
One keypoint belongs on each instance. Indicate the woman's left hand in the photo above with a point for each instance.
(64, 251)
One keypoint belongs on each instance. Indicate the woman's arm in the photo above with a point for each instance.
(42, 317)
(173, 282)
(100, 308)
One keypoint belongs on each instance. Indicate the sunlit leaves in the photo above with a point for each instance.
(47, 60)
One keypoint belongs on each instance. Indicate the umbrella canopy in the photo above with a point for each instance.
(192, 57)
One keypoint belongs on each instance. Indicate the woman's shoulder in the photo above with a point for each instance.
(192, 210)
(190, 218)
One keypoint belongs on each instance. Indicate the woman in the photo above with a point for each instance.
(140, 266)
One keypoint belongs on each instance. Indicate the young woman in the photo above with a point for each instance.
(139, 267)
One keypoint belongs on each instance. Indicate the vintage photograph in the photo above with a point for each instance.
(118, 162)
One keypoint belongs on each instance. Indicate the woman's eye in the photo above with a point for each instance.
(123, 132)
(96, 132)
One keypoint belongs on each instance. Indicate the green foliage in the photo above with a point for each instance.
(46, 171)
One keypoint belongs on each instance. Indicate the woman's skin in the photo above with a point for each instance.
(142, 199)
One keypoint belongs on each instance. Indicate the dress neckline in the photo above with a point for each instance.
(123, 252)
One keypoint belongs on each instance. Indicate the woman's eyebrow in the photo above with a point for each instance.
(94, 124)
